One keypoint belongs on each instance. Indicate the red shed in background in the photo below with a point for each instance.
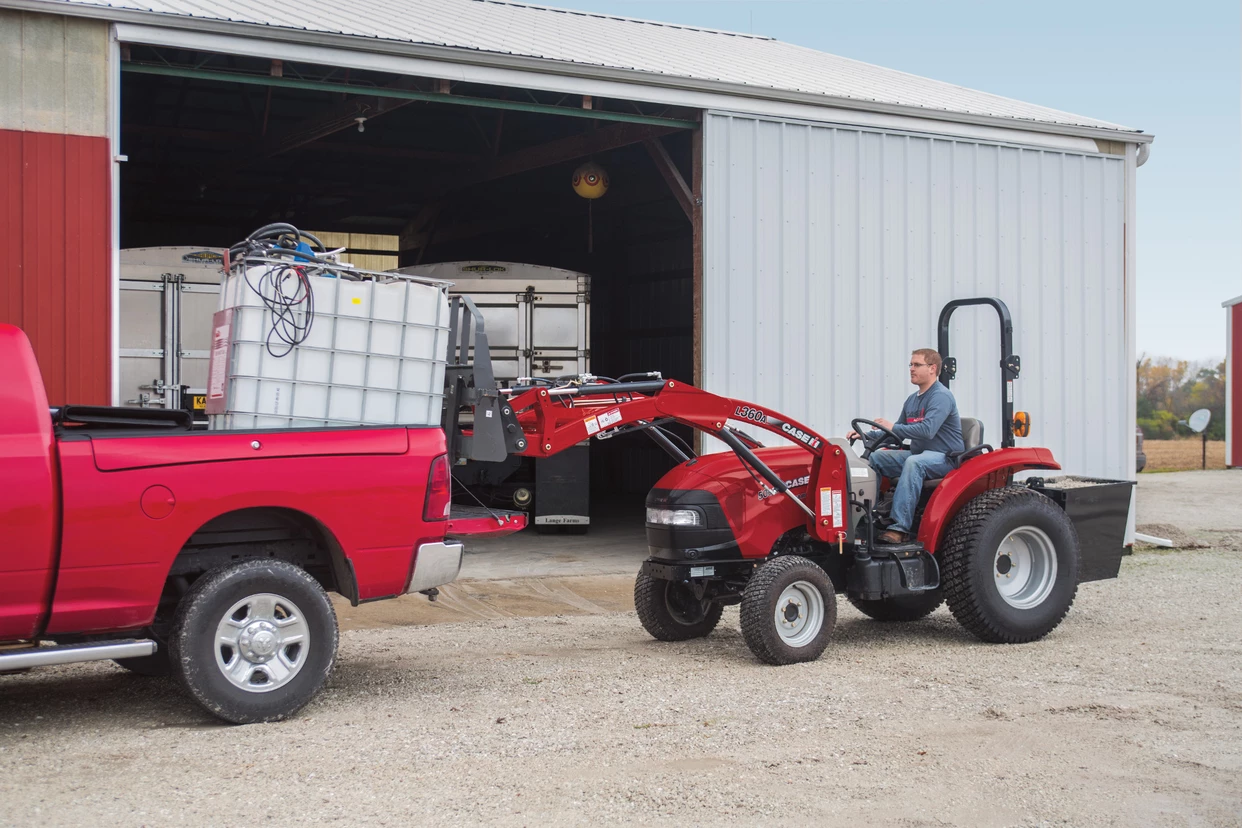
(1233, 382)
(56, 199)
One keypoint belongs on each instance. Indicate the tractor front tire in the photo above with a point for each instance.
(670, 612)
(1010, 568)
(789, 609)
(902, 608)
(254, 641)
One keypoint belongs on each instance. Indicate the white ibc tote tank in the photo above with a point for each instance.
(374, 354)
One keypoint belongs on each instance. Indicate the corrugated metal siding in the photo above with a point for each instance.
(651, 50)
(829, 253)
(54, 203)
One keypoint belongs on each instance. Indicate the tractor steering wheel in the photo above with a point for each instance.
(885, 437)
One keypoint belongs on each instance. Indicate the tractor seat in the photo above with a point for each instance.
(972, 439)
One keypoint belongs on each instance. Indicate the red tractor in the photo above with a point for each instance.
(781, 530)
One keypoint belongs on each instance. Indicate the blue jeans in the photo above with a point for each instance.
(909, 470)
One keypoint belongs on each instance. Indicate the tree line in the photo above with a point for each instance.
(1170, 389)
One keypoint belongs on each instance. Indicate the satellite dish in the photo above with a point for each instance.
(1199, 420)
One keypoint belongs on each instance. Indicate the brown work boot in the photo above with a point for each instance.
(891, 536)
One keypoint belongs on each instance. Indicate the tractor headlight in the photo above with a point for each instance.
(674, 517)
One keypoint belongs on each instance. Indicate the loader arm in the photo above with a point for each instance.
(552, 419)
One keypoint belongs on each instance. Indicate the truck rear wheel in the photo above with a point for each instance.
(1010, 565)
(902, 608)
(670, 612)
(254, 641)
(789, 609)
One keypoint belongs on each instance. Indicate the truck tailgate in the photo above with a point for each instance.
(473, 521)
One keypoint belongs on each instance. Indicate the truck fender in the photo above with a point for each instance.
(977, 475)
(250, 525)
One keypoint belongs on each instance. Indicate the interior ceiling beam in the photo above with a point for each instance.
(214, 136)
(553, 152)
(404, 94)
(672, 175)
(347, 115)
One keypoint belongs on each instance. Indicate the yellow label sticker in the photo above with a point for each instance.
(357, 300)
(199, 402)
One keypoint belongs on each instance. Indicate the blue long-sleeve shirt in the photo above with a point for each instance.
(930, 421)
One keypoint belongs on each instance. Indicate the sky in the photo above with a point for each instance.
(1172, 69)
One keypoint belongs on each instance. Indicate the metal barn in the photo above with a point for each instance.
(785, 224)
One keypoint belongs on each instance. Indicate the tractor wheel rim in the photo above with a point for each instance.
(1025, 567)
(799, 614)
(262, 642)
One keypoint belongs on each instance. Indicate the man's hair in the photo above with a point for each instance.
(931, 357)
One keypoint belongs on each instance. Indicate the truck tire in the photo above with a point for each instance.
(254, 641)
(902, 608)
(1010, 565)
(789, 609)
(670, 612)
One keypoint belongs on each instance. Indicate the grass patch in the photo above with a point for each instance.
(1182, 455)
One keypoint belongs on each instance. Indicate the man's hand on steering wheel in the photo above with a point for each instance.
(870, 444)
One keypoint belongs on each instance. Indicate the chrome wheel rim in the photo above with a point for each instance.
(799, 614)
(1025, 567)
(262, 642)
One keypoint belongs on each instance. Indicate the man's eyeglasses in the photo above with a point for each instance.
(919, 364)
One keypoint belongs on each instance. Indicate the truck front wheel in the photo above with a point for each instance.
(254, 641)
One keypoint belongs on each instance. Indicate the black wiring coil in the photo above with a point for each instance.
(284, 287)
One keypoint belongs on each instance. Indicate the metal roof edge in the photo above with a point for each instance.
(1237, 300)
(498, 60)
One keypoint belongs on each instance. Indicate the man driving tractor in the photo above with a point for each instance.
(929, 420)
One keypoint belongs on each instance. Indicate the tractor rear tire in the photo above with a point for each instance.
(670, 612)
(1010, 569)
(902, 608)
(789, 609)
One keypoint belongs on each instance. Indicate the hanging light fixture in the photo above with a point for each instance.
(591, 182)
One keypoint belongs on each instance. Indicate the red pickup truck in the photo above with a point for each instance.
(131, 536)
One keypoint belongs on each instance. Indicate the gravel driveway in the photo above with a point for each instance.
(1128, 714)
